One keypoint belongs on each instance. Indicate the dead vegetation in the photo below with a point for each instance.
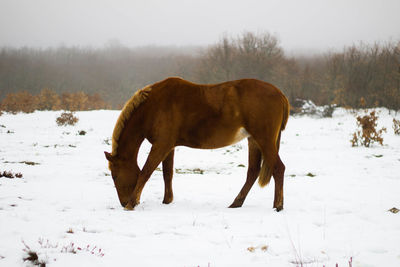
(32, 256)
(49, 100)
(394, 210)
(67, 118)
(10, 175)
(29, 163)
(262, 248)
(44, 247)
(189, 171)
(368, 132)
(24, 162)
(396, 126)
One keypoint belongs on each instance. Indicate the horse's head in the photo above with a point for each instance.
(124, 174)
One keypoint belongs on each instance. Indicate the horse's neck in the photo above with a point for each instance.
(130, 141)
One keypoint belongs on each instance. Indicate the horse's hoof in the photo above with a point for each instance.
(129, 206)
(167, 201)
(235, 205)
(278, 209)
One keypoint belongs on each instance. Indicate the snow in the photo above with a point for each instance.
(65, 208)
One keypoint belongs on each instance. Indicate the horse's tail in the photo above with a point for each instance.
(286, 112)
(269, 159)
(266, 170)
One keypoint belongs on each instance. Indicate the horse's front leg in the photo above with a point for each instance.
(157, 154)
(168, 171)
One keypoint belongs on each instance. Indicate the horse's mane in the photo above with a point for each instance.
(126, 113)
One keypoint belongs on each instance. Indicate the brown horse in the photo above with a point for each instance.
(175, 112)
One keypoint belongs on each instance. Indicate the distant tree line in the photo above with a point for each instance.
(363, 75)
(49, 100)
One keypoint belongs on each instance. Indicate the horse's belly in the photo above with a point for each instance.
(227, 138)
(217, 138)
(241, 134)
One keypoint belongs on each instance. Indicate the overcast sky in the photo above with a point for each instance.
(299, 24)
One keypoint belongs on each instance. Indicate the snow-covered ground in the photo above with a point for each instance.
(65, 208)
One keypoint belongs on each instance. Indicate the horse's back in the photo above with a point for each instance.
(245, 98)
(181, 90)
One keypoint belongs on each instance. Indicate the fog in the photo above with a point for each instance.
(312, 25)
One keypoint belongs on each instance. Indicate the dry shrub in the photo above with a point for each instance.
(82, 101)
(66, 118)
(21, 101)
(396, 126)
(48, 100)
(95, 101)
(74, 101)
(368, 133)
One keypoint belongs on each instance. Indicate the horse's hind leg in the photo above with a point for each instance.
(168, 171)
(252, 173)
(273, 167)
(278, 174)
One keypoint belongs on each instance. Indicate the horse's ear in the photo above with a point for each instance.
(109, 157)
